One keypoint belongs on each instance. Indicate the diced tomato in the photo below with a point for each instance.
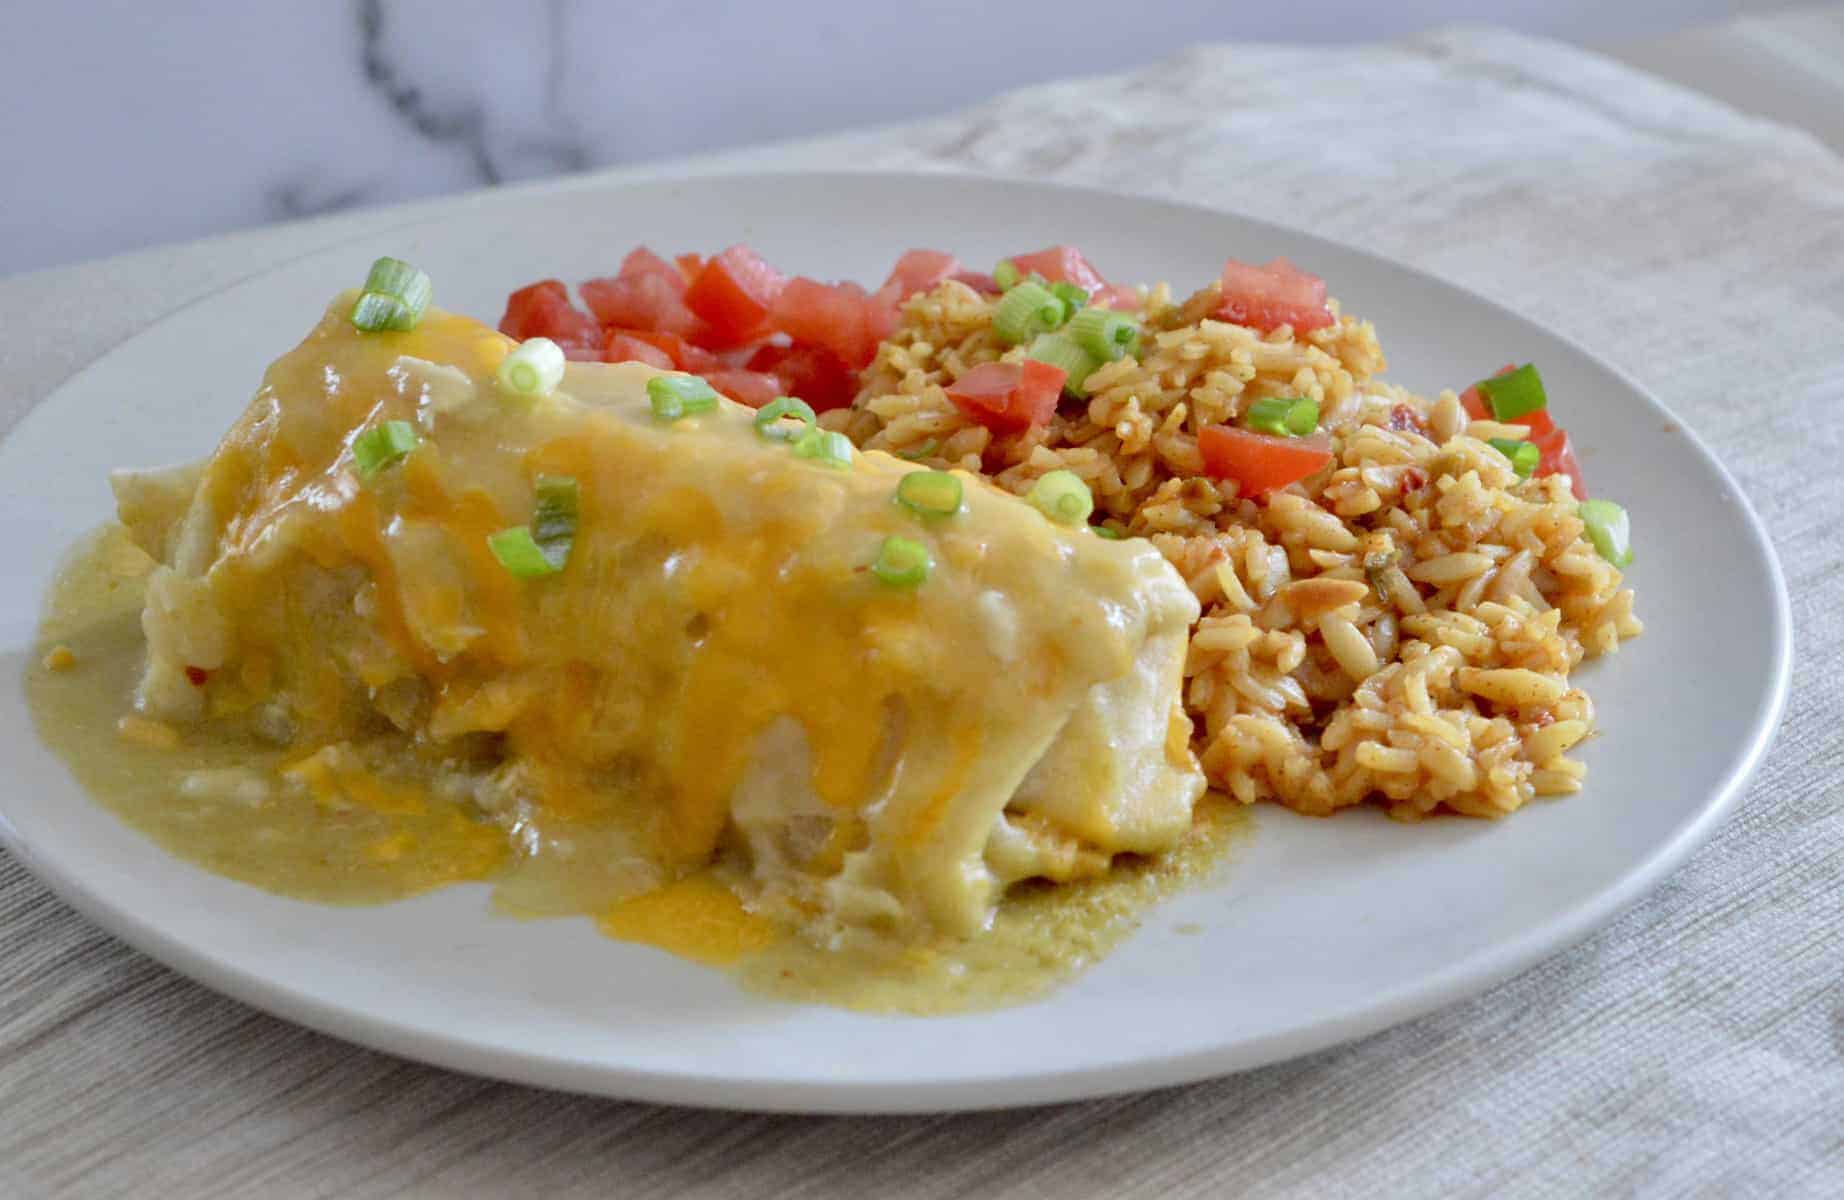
(622, 346)
(641, 262)
(881, 319)
(1258, 462)
(979, 281)
(1009, 397)
(813, 373)
(745, 387)
(543, 309)
(1265, 298)
(689, 265)
(1539, 424)
(1117, 296)
(733, 294)
(643, 300)
(820, 314)
(1559, 458)
(684, 355)
(1061, 264)
(918, 271)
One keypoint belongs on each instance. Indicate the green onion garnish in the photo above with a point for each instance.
(929, 493)
(382, 445)
(1005, 274)
(1061, 351)
(1284, 416)
(396, 296)
(925, 450)
(1103, 531)
(901, 562)
(825, 446)
(770, 425)
(1514, 395)
(675, 396)
(1105, 334)
(1072, 295)
(520, 553)
(1303, 417)
(1524, 456)
(1063, 497)
(535, 368)
(553, 522)
(1609, 530)
(1027, 310)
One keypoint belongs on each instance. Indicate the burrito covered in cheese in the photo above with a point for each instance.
(744, 643)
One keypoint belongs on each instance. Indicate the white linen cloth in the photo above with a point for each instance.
(1693, 1047)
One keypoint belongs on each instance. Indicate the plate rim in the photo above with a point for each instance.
(1466, 977)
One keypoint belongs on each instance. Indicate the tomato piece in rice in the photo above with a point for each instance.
(1258, 462)
(1265, 298)
(1009, 397)
(1061, 264)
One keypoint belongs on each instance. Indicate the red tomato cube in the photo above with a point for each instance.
(820, 314)
(1265, 298)
(1009, 397)
(543, 309)
(733, 294)
(1260, 463)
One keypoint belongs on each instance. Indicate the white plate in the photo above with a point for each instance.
(1320, 930)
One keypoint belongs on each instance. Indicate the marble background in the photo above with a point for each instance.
(128, 123)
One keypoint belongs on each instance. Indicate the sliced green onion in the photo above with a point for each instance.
(1103, 531)
(520, 553)
(675, 396)
(1269, 415)
(929, 493)
(825, 446)
(553, 523)
(1609, 531)
(901, 562)
(1072, 295)
(1515, 395)
(770, 425)
(1105, 334)
(1524, 456)
(534, 369)
(395, 297)
(1283, 416)
(1303, 416)
(925, 450)
(1005, 274)
(1061, 351)
(1027, 310)
(382, 445)
(1063, 497)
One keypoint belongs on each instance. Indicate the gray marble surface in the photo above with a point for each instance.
(1693, 1047)
(129, 124)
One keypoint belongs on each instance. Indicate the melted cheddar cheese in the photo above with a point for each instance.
(714, 676)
